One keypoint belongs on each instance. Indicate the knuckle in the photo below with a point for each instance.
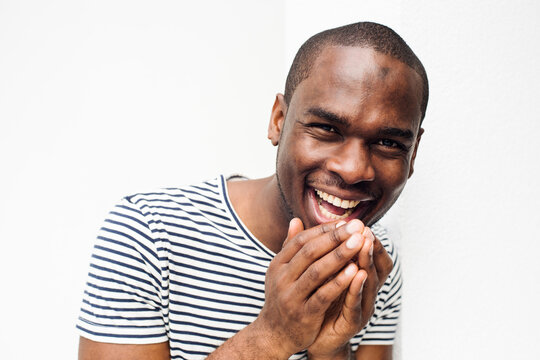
(338, 254)
(320, 298)
(325, 228)
(313, 273)
(337, 282)
(308, 252)
(334, 237)
(300, 239)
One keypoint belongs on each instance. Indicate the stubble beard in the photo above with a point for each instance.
(284, 203)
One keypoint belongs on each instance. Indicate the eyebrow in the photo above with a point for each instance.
(328, 116)
(396, 132)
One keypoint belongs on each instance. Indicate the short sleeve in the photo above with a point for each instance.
(382, 326)
(125, 297)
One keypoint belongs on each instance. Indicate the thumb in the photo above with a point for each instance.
(295, 227)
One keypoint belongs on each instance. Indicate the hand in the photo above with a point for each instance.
(353, 309)
(310, 272)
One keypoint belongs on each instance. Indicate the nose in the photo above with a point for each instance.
(352, 162)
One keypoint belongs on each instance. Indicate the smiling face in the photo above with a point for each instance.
(348, 138)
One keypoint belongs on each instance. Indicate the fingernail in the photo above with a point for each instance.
(353, 241)
(353, 226)
(371, 249)
(350, 270)
(367, 233)
(340, 224)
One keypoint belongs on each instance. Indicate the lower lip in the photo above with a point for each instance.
(321, 219)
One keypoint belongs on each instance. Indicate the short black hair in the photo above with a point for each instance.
(363, 34)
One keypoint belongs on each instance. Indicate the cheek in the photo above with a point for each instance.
(304, 153)
(393, 174)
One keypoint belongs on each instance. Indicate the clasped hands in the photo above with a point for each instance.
(321, 288)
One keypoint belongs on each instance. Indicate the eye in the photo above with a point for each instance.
(325, 127)
(388, 143)
(392, 144)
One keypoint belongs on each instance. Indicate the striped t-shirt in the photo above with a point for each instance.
(178, 265)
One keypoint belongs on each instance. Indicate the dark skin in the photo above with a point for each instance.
(351, 129)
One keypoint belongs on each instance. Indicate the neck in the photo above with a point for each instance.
(259, 206)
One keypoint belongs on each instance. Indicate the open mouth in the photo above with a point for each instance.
(329, 207)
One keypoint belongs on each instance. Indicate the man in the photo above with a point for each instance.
(284, 266)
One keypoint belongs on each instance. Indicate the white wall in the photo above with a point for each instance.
(100, 99)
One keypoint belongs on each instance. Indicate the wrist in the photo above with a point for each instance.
(342, 353)
(269, 342)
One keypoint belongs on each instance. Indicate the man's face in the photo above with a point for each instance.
(348, 138)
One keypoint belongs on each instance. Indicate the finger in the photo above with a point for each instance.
(381, 258)
(295, 227)
(296, 239)
(371, 285)
(352, 306)
(318, 246)
(321, 299)
(325, 268)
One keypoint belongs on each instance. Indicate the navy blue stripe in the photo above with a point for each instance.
(102, 278)
(216, 300)
(184, 332)
(204, 196)
(205, 189)
(223, 311)
(132, 336)
(384, 325)
(124, 265)
(210, 184)
(199, 316)
(110, 299)
(192, 213)
(119, 253)
(118, 309)
(125, 292)
(197, 230)
(191, 220)
(205, 280)
(118, 317)
(144, 281)
(221, 292)
(216, 245)
(128, 326)
(218, 263)
(209, 213)
(199, 325)
(215, 272)
(143, 224)
(397, 292)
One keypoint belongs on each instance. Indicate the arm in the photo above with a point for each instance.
(89, 349)
(374, 352)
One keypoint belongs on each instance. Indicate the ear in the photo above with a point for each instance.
(277, 119)
(411, 168)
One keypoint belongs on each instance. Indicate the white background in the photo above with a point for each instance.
(99, 99)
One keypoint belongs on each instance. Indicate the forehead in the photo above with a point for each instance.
(359, 82)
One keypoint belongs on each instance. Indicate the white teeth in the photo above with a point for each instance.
(329, 215)
(334, 200)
